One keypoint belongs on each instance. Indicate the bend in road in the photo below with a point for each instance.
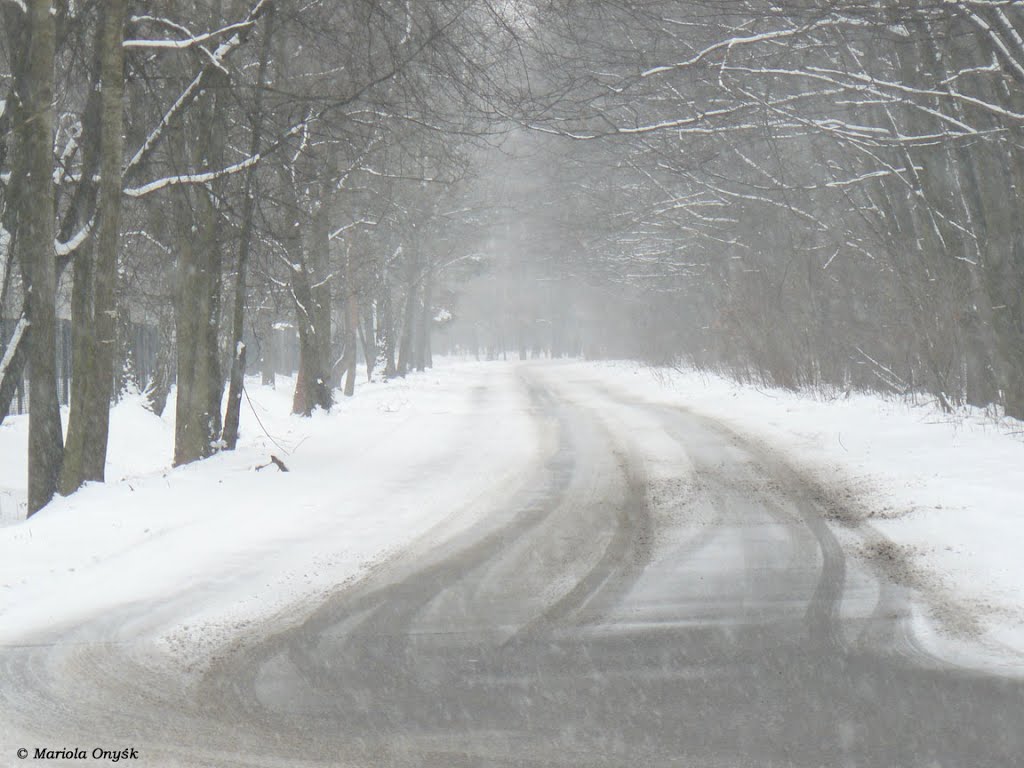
(657, 590)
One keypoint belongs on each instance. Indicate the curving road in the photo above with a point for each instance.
(657, 591)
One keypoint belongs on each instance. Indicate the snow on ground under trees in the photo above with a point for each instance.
(364, 480)
(935, 502)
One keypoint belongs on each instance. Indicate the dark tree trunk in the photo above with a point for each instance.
(197, 412)
(83, 353)
(406, 347)
(13, 350)
(95, 354)
(367, 337)
(321, 293)
(108, 233)
(38, 260)
(160, 382)
(268, 354)
(311, 389)
(387, 329)
(233, 411)
(198, 308)
(424, 359)
(351, 328)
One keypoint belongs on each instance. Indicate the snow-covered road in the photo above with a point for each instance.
(565, 575)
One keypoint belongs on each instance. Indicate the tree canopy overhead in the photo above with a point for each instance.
(809, 194)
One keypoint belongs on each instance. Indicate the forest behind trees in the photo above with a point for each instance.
(803, 194)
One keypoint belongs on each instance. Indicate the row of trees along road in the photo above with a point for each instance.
(807, 194)
(814, 193)
(216, 166)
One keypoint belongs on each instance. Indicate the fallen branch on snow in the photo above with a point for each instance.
(273, 460)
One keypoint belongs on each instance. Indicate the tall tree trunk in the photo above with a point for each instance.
(232, 413)
(387, 330)
(35, 243)
(351, 328)
(13, 350)
(109, 230)
(83, 356)
(197, 413)
(82, 416)
(311, 390)
(198, 308)
(267, 347)
(368, 338)
(160, 381)
(423, 357)
(406, 346)
(89, 427)
(311, 387)
(321, 290)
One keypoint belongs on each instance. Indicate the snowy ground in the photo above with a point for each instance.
(935, 502)
(212, 545)
(938, 504)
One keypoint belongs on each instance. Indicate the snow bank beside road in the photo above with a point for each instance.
(184, 553)
(191, 554)
(949, 494)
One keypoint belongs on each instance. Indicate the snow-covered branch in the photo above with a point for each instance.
(12, 345)
(216, 60)
(204, 177)
(68, 248)
(189, 42)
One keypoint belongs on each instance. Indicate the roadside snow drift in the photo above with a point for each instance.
(197, 551)
(938, 501)
(193, 554)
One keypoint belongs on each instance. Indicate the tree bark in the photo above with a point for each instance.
(406, 346)
(321, 290)
(198, 306)
(424, 359)
(311, 390)
(89, 425)
(387, 330)
(267, 347)
(35, 243)
(160, 382)
(351, 330)
(83, 356)
(232, 415)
